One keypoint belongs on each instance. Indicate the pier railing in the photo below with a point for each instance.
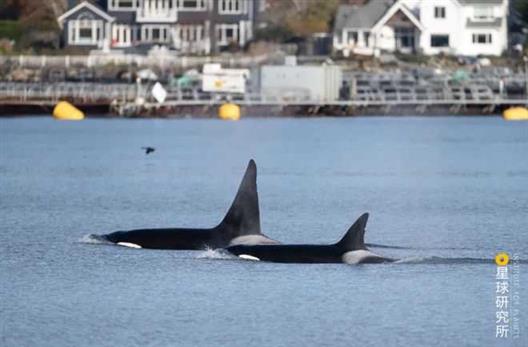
(47, 94)
(126, 98)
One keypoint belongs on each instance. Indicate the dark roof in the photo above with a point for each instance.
(83, 7)
(101, 3)
(352, 16)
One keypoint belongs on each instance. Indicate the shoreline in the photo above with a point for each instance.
(261, 116)
(103, 111)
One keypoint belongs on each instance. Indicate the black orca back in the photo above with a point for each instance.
(242, 219)
(353, 240)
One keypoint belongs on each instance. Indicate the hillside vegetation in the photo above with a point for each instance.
(32, 25)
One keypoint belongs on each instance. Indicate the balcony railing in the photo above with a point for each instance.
(158, 15)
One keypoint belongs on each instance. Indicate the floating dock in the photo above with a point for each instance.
(129, 100)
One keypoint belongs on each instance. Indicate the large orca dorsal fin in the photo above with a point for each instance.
(243, 217)
(354, 238)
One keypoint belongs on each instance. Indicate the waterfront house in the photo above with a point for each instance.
(187, 26)
(458, 27)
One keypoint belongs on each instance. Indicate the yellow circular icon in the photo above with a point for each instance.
(218, 83)
(502, 259)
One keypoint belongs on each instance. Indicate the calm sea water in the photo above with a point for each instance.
(451, 191)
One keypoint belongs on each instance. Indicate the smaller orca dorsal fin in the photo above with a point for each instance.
(243, 217)
(354, 238)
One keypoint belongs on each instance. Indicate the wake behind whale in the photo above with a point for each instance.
(221, 254)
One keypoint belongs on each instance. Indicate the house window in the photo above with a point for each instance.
(123, 5)
(84, 31)
(232, 6)
(191, 5)
(483, 13)
(230, 34)
(439, 41)
(85, 34)
(352, 37)
(121, 35)
(405, 37)
(85, 16)
(439, 12)
(482, 39)
(189, 33)
(366, 37)
(154, 33)
(226, 33)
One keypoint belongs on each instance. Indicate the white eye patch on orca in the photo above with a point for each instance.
(248, 257)
(128, 244)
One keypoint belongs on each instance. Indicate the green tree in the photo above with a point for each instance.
(316, 17)
(37, 22)
(522, 7)
(298, 18)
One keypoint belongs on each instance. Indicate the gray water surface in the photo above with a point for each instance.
(452, 191)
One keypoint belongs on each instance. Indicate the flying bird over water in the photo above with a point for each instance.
(148, 150)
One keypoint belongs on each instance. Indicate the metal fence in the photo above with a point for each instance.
(51, 93)
(86, 93)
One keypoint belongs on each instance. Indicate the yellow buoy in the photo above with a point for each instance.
(66, 111)
(229, 111)
(516, 113)
(502, 259)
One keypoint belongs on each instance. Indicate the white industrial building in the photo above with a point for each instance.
(300, 82)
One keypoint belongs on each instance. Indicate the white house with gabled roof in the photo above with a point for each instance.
(379, 25)
(187, 26)
(87, 26)
(459, 27)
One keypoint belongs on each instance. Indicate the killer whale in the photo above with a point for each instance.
(351, 249)
(241, 225)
